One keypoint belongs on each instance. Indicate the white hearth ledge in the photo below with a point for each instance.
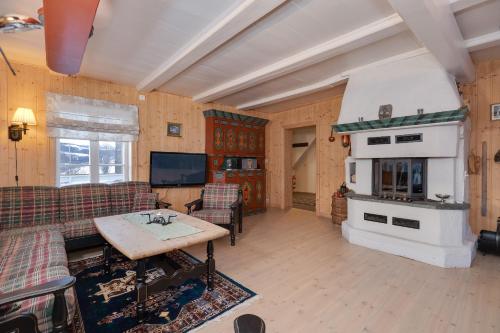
(446, 257)
(443, 239)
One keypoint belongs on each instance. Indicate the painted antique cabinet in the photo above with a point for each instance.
(231, 136)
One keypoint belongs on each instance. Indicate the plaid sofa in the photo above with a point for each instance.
(36, 225)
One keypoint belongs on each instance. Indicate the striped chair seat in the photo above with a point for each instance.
(216, 216)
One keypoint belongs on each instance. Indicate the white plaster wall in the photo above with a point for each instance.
(462, 176)
(441, 174)
(409, 84)
(305, 170)
(437, 141)
(364, 175)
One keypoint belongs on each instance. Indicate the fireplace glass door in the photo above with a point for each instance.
(399, 178)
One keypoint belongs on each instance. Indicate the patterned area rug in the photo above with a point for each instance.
(107, 302)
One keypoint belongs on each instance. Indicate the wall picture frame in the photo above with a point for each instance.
(495, 111)
(174, 129)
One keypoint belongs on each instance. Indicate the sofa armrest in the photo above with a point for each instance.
(43, 289)
(60, 311)
(194, 205)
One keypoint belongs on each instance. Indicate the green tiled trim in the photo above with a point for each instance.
(234, 116)
(426, 118)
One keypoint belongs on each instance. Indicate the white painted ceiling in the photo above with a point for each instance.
(274, 51)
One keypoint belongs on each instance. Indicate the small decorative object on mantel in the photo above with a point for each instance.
(495, 111)
(385, 111)
(442, 197)
(174, 129)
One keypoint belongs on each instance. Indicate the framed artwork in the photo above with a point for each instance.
(495, 111)
(174, 129)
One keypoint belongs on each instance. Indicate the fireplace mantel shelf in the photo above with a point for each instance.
(430, 204)
(413, 120)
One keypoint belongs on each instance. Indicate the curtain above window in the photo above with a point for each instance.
(91, 119)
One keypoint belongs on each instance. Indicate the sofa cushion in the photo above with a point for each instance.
(28, 206)
(216, 216)
(84, 201)
(80, 228)
(24, 254)
(56, 229)
(144, 201)
(122, 195)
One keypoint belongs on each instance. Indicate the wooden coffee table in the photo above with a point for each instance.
(139, 244)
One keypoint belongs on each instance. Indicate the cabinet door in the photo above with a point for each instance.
(242, 141)
(218, 138)
(231, 139)
(252, 141)
(260, 193)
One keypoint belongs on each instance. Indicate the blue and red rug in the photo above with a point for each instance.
(107, 303)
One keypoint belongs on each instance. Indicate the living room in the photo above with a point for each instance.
(104, 105)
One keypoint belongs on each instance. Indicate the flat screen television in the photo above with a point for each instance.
(177, 169)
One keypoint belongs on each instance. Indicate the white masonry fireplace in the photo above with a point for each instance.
(407, 170)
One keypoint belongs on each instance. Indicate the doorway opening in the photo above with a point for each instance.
(304, 167)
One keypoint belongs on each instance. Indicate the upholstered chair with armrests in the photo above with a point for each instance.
(221, 204)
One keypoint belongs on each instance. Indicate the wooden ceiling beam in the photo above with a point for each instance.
(434, 24)
(483, 41)
(357, 38)
(232, 23)
(460, 5)
(325, 84)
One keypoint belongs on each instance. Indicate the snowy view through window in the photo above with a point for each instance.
(79, 163)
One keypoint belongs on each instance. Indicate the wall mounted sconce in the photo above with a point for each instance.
(331, 138)
(24, 117)
(346, 140)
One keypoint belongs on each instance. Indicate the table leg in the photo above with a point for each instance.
(210, 265)
(106, 252)
(141, 288)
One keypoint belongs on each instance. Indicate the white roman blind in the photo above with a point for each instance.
(90, 119)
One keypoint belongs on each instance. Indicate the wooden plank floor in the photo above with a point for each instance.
(312, 280)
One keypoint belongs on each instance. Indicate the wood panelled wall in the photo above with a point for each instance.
(479, 96)
(330, 155)
(36, 151)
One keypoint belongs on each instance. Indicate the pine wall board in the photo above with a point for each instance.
(36, 152)
(330, 155)
(479, 96)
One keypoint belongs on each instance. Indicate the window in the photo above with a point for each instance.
(399, 178)
(88, 161)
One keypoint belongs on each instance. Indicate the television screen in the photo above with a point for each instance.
(177, 169)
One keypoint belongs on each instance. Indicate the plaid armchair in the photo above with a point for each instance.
(219, 204)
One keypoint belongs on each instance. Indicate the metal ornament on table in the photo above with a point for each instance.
(159, 219)
(442, 197)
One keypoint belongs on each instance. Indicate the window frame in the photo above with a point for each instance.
(94, 156)
(377, 186)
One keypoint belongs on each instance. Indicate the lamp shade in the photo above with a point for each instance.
(24, 116)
